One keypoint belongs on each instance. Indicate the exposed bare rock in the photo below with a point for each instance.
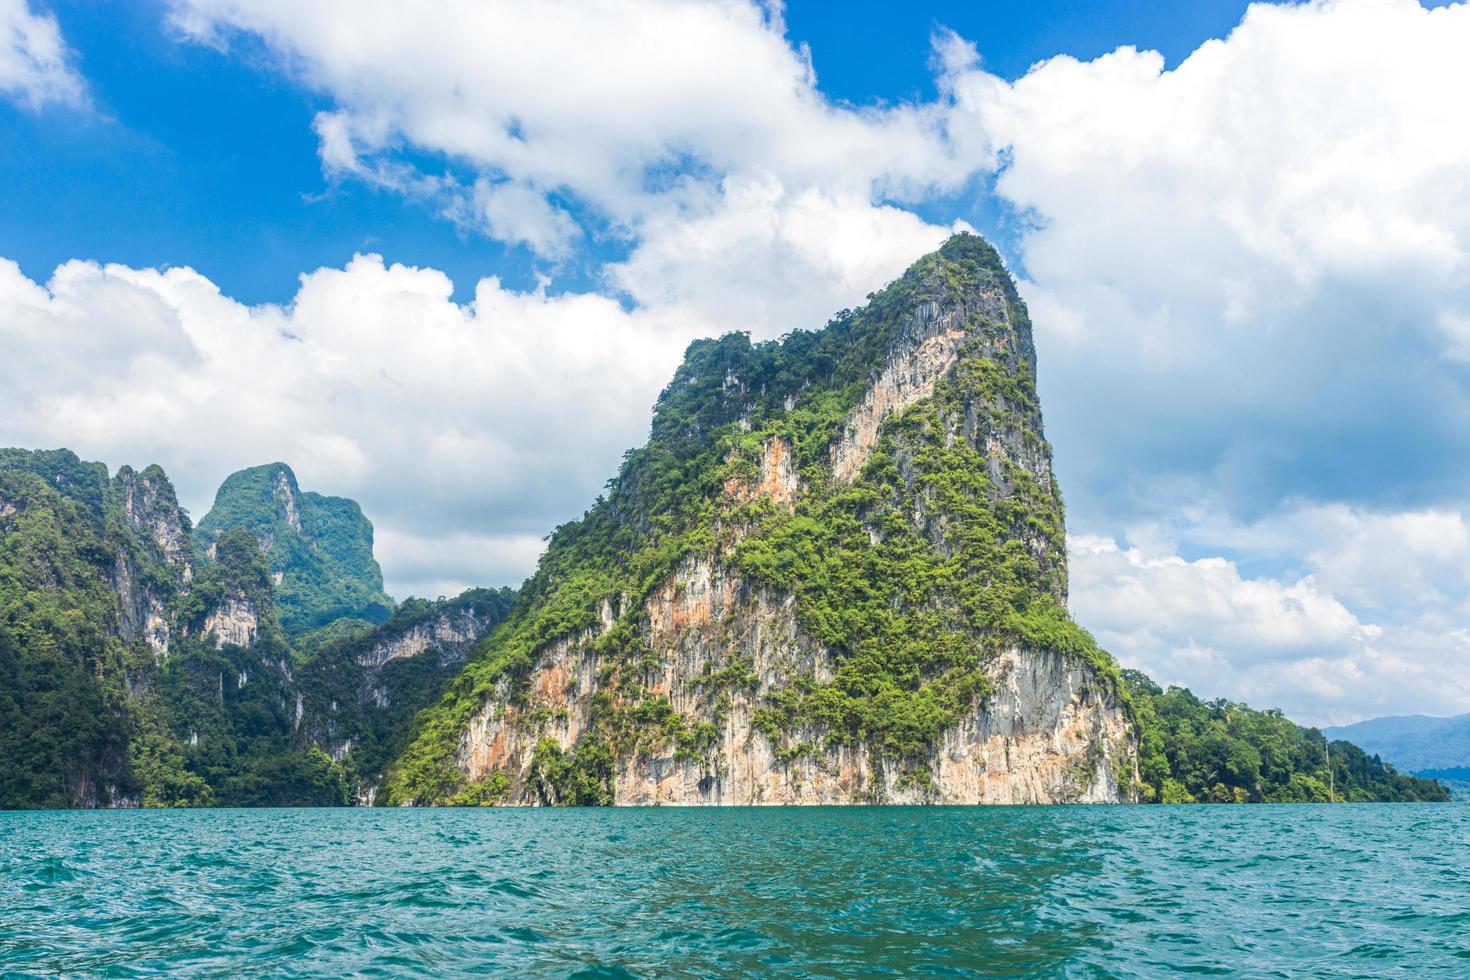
(776, 479)
(927, 348)
(150, 507)
(234, 622)
(452, 632)
(287, 493)
(1051, 731)
(140, 613)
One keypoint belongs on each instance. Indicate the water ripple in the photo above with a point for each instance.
(1117, 891)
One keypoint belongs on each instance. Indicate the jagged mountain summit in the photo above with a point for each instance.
(835, 574)
(319, 549)
(136, 671)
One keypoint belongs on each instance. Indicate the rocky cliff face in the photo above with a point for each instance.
(158, 566)
(151, 508)
(91, 573)
(234, 621)
(1051, 731)
(141, 614)
(449, 634)
(836, 574)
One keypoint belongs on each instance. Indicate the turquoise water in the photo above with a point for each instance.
(1079, 891)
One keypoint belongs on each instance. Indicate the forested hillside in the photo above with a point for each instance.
(134, 673)
(1193, 751)
(319, 549)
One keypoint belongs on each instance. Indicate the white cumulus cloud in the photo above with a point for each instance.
(693, 132)
(466, 431)
(1374, 620)
(1255, 264)
(35, 65)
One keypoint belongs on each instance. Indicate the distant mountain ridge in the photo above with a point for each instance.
(139, 667)
(1412, 742)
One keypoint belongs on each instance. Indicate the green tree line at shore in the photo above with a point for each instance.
(1221, 751)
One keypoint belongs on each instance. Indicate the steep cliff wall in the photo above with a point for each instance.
(836, 574)
(1050, 731)
(148, 505)
(154, 562)
(64, 718)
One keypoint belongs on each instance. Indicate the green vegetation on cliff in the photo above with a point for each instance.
(944, 547)
(321, 547)
(257, 661)
(70, 733)
(232, 706)
(365, 708)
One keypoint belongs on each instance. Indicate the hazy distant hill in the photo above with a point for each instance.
(1413, 742)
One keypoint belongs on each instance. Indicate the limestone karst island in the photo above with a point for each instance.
(836, 573)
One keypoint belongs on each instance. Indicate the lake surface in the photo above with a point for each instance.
(1079, 891)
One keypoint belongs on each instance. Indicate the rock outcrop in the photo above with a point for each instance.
(836, 574)
(926, 349)
(155, 563)
(151, 508)
(234, 621)
(450, 634)
(180, 685)
(91, 570)
(141, 613)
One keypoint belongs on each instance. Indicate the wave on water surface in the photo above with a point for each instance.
(1124, 891)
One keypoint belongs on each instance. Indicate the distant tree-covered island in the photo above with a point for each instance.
(1221, 751)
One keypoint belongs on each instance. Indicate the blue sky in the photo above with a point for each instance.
(188, 157)
(191, 158)
(443, 260)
